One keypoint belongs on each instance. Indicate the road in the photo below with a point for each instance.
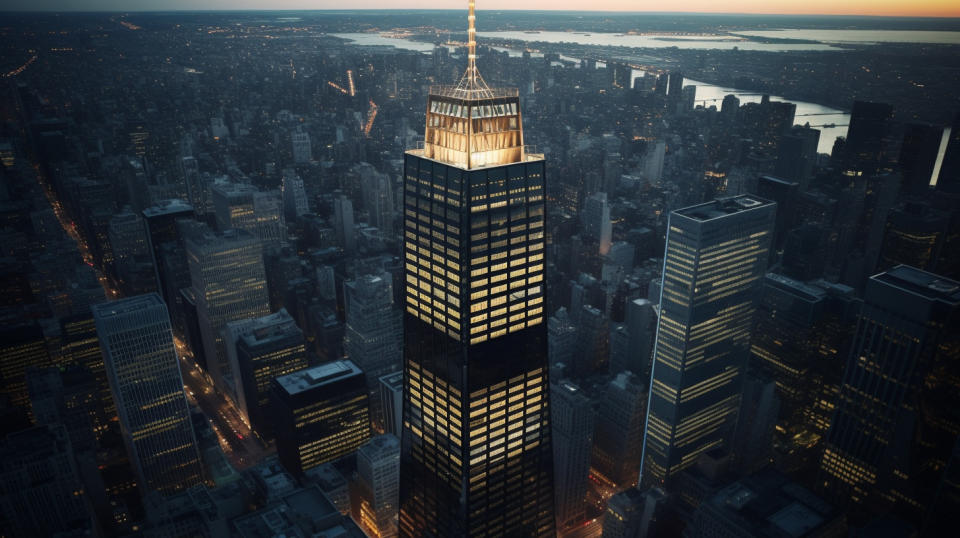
(243, 447)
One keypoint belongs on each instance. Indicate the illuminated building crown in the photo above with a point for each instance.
(471, 125)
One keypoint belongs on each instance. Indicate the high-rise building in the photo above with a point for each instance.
(891, 434)
(80, 346)
(302, 152)
(619, 433)
(262, 349)
(796, 155)
(41, 493)
(573, 425)
(378, 470)
(144, 373)
(374, 334)
(477, 456)
(391, 402)
(715, 257)
(319, 414)
(762, 505)
(227, 274)
(22, 346)
(866, 148)
(596, 221)
(636, 514)
(630, 346)
(918, 156)
(914, 235)
(803, 332)
(343, 223)
(244, 207)
(161, 224)
(294, 195)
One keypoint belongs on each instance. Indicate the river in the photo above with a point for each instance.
(707, 94)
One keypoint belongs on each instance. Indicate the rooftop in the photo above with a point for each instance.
(721, 207)
(921, 283)
(167, 207)
(318, 376)
(126, 306)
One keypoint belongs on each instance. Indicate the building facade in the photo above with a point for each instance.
(476, 447)
(320, 414)
(715, 258)
(144, 374)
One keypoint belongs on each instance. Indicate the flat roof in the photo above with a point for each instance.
(167, 207)
(318, 376)
(722, 207)
(921, 283)
(123, 307)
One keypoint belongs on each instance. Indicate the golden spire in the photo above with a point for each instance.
(471, 80)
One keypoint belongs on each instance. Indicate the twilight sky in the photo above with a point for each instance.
(919, 8)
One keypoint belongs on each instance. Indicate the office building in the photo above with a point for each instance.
(800, 341)
(914, 235)
(633, 513)
(161, 224)
(632, 341)
(260, 350)
(867, 146)
(619, 433)
(227, 275)
(763, 505)
(343, 224)
(319, 414)
(573, 422)
(715, 258)
(373, 334)
(80, 346)
(895, 425)
(476, 456)
(244, 207)
(40, 489)
(144, 374)
(294, 196)
(302, 152)
(391, 403)
(918, 156)
(796, 155)
(22, 346)
(596, 221)
(378, 470)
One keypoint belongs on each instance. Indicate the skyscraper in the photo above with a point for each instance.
(264, 348)
(226, 271)
(161, 223)
(22, 347)
(891, 434)
(619, 432)
(378, 468)
(476, 457)
(302, 152)
(319, 414)
(573, 424)
(715, 257)
(374, 334)
(144, 374)
(40, 489)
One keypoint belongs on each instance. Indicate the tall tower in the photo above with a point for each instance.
(715, 259)
(144, 373)
(476, 455)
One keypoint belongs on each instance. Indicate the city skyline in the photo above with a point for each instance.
(885, 8)
(311, 273)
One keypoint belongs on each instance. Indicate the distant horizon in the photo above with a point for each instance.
(887, 9)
